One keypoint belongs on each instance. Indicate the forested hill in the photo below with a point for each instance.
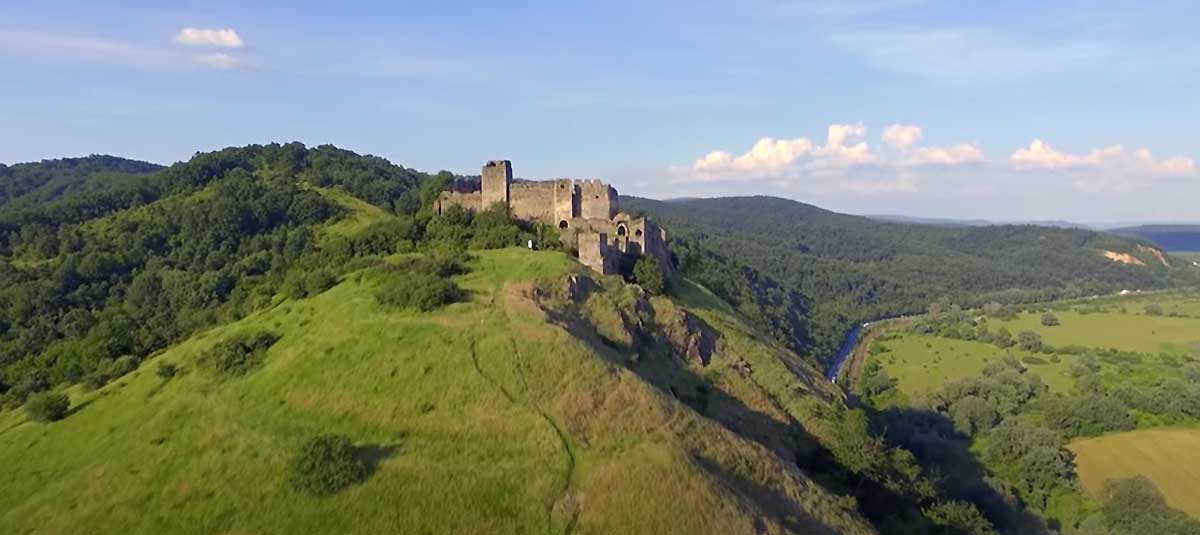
(1181, 238)
(851, 269)
(28, 184)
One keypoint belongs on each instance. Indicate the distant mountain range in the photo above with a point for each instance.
(1174, 237)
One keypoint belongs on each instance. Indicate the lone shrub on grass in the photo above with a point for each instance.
(47, 406)
(1049, 320)
(239, 354)
(166, 370)
(324, 465)
(417, 291)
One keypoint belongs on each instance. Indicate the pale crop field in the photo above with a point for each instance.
(1169, 457)
(1129, 331)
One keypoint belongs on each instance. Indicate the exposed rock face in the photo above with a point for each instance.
(689, 337)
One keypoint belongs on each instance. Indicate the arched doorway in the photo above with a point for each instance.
(562, 225)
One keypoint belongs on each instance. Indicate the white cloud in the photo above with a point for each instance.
(844, 162)
(901, 136)
(1112, 159)
(771, 157)
(961, 153)
(107, 51)
(205, 37)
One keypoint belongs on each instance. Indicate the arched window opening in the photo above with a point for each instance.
(638, 233)
(621, 230)
(562, 225)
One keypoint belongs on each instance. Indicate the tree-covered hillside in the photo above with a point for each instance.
(851, 269)
(30, 184)
(110, 267)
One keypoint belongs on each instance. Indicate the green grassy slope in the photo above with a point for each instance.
(488, 416)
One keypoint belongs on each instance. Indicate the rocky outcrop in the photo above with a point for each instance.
(689, 337)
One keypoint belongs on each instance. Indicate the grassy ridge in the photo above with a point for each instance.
(480, 418)
(1166, 456)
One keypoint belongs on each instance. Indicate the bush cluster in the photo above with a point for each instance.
(324, 465)
(47, 406)
(239, 354)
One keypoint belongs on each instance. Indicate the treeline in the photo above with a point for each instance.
(852, 269)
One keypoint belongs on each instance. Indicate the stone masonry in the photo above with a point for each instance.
(586, 212)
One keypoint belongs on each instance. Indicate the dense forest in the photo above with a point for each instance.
(850, 269)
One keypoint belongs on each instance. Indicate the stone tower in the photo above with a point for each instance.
(597, 200)
(495, 183)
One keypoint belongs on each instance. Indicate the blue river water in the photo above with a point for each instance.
(844, 352)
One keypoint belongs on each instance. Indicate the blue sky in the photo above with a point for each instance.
(1005, 110)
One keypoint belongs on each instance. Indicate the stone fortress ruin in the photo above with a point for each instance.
(587, 214)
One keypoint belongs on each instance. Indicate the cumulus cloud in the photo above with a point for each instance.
(901, 136)
(1114, 159)
(771, 157)
(844, 161)
(961, 153)
(212, 38)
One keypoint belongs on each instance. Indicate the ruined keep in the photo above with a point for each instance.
(586, 212)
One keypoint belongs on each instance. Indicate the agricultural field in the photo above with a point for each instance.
(1123, 325)
(1166, 456)
(923, 363)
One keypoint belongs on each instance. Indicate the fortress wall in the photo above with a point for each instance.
(597, 200)
(594, 253)
(469, 200)
(533, 201)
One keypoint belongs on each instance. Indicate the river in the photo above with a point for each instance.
(844, 352)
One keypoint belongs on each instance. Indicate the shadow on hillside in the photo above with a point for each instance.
(657, 361)
(939, 448)
(781, 508)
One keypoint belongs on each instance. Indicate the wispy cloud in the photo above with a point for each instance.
(82, 48)
(94, 49)
(970, 54)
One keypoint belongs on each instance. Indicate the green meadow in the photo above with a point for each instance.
(923, 363)
(482, 417)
